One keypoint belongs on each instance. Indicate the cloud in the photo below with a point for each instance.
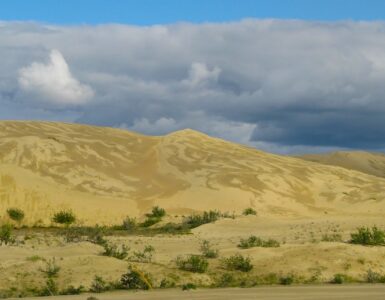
(53, 82)
(284, 86)
(201, 75)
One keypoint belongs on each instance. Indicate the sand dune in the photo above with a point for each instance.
(365, 162)
(105, 174)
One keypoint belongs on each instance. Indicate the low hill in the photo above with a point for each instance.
(105, 174)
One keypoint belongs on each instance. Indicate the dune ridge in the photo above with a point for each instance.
(105, 174)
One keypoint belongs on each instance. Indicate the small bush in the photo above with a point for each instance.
(193, 263)
(237, 262)
(150, 221)
(253, 241)
(98, 285)
(367, 236)
(225, 280)
(64, 217)
(188, 286)
(135, 280)
(6, 235)
(156, 212)
(374, 277)
(50, 288)
(339, 279)
(198, 220)
(286, 280)
(113, 250)
(129, 224)
(166, 283)
(16, 214)
(249, 211)
(208, 251)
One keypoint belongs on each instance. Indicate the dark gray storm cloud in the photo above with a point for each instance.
(283, 86)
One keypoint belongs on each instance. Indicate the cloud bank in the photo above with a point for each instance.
(283, 86)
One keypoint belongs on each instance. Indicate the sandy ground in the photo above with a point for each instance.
(346, 292)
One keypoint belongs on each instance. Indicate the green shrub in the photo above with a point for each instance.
(207, 250)
(374, 277)
(150, 221)
(50, 288)
(188, 286)
(192, 263)
(16, 214)
(225, 280)
(113, 250)
(156, 212)
(286, 280)
(64, 217)
(253, 241)
(367, 236)
(339, 278)
(166, 283)
(249, 211)
(98, 285)
(129, 224)
(135, 280)
(6, 235)
(198, 220)
(237, 262)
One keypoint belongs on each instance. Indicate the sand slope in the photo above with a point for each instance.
(366, 162)
(105, 174)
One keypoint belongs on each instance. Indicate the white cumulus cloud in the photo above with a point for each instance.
(53, 82)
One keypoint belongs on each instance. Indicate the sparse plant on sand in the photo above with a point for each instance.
(194, 221)
(192, 263)
(249, 211)
(154, 217)
(237, 262)
(113, 250)
(135, 279)
(16, 214)
(64, 217)
(99, 285)
(145, 255)
(253, 241)
(368, 236)
(207, 250)
(6, 234)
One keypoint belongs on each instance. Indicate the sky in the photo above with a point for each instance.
(283, 76)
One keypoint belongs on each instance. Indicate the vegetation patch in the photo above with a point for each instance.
(249, 211)
(237, 262)
(253, 241)
(206, 217)
(192, 263)
(207, 250)
(368, 236)
(64, 217)
(135, 279)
